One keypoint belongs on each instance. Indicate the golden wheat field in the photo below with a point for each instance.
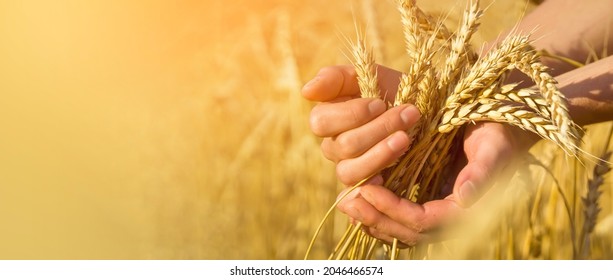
(176, 130)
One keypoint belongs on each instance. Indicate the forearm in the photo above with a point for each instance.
(589, 91)
(570, 28)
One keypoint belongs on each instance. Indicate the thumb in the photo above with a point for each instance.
(332, 82)
(486, 158)
(472, 182)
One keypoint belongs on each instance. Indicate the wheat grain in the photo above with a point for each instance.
(487, 70)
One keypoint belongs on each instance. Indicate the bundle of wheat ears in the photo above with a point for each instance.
(464, 89)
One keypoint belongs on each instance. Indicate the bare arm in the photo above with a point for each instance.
(572, 29)
(590, 91)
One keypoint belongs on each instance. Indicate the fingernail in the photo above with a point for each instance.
(467, 193)
(409, 115)
(311, 82)
(398, 141)
(376, 107)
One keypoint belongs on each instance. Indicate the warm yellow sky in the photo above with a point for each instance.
(82, 84)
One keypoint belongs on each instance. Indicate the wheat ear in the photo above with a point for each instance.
(591, 207)
(366, 69)
(460, 50)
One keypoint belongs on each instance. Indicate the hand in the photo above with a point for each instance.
(360, 136)
(362, 139)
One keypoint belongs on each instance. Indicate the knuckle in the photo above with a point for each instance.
(383, 207)
(346, 146)
(344, 206)
(382, 226)
(356, 114)
(372, 221)
(343, 173)
(409, 242)
(326, 150)
(484, 171)
(388, 127)
(317, 122)
(391, 123)
(418, 226)
(376, 234)
(387, 124)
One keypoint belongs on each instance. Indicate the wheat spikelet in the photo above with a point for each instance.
(487, 70)
(527, 96)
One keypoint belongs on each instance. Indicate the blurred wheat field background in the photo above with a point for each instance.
(175, 130)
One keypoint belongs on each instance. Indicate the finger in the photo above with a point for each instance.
(341, 80)
(419, 218)
(376, 223)
(355, 142)
(383, 237)
(383, 154)
(386, 230)
(332, 82)
(355, 192)
(330, 119)
(488, 150)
